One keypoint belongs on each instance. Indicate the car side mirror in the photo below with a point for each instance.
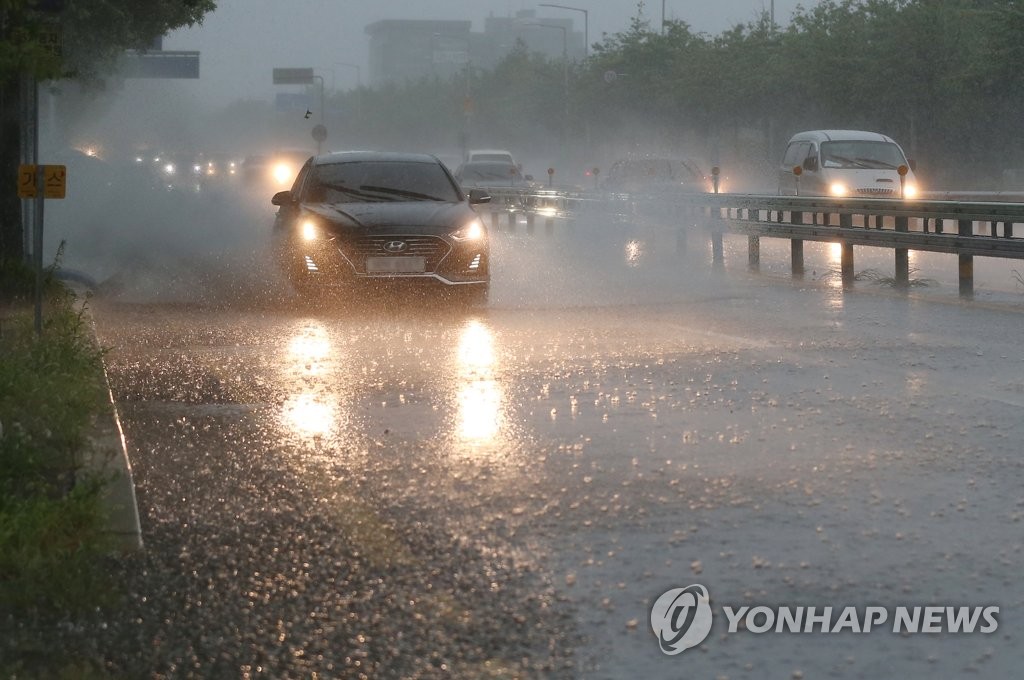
(478, 196)
(283, 198)
(811, 164)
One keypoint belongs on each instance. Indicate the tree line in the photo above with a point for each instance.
(943, 77)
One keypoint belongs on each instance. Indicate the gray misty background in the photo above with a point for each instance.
(244, 39)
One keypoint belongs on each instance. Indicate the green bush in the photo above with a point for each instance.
(51, 520)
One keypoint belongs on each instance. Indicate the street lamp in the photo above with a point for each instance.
(586, 24)
(565, 73)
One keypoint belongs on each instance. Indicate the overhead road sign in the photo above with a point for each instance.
(160, 64)
(293, 76)
(292, 101)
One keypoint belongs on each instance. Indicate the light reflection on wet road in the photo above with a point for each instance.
(507, 490)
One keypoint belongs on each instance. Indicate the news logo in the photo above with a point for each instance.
(681, 618)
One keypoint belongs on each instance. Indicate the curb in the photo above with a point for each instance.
(108, 458)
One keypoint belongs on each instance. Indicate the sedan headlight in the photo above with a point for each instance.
(838, 189)
(310, 230)
(473, 231)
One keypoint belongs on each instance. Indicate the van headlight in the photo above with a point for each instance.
(838, 189)
(910, 191)
(473, 231)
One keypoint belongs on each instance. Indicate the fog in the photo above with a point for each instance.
(244, 39)
(135, 230)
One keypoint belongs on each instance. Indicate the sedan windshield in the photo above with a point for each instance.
(379, 181)
(861, 154)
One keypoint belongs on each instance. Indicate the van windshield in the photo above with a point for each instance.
(861, 154)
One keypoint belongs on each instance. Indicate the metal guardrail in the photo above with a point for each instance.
(967, 228)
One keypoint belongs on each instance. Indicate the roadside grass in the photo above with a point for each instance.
(52, 524)
(880, 279)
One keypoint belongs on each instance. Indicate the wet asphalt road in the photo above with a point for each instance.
(427, 491)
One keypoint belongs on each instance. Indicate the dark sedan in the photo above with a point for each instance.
(378, 217)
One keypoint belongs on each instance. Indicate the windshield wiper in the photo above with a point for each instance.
(847, 161)
(400, 192)
(876, 163)
(342, 190)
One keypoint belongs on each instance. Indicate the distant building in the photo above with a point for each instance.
(540, 34)
(403, 50)
(409, 50)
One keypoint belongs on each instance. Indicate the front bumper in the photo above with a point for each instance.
(425, 258)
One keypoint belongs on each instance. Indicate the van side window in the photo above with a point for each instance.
(796, 152)
(812, 155)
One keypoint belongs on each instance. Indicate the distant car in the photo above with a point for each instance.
(380, 217)
(275, 170)
(656, 175)
(501, 155)
(490, 174)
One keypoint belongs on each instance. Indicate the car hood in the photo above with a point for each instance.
(428, 215)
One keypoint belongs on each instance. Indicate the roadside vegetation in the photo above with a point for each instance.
(52, 540)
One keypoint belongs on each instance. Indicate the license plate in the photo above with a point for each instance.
(396, 264)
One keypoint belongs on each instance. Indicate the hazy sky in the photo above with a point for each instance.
(243, 40)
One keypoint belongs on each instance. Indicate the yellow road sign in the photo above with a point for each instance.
(54, 181)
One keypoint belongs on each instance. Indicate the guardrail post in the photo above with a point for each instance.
(753, 242)
(796, 247)
(717, 256)
(846, 264)
(717, 252)
(902, 256)
(966, 228)
(1007, 229)
(529, 223)
(511, 221)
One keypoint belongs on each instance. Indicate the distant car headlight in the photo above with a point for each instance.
(283, 172)
(474, 231)
(310, 230)
(169, 168)
(910, 191)
(838, 189)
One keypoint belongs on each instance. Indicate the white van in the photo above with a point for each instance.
(845, 163)
(498, 155)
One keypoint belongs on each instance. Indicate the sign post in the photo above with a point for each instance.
(303, 76)
(40, 182)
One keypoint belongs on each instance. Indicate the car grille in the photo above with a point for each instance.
(431, 248)
(876, 191)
